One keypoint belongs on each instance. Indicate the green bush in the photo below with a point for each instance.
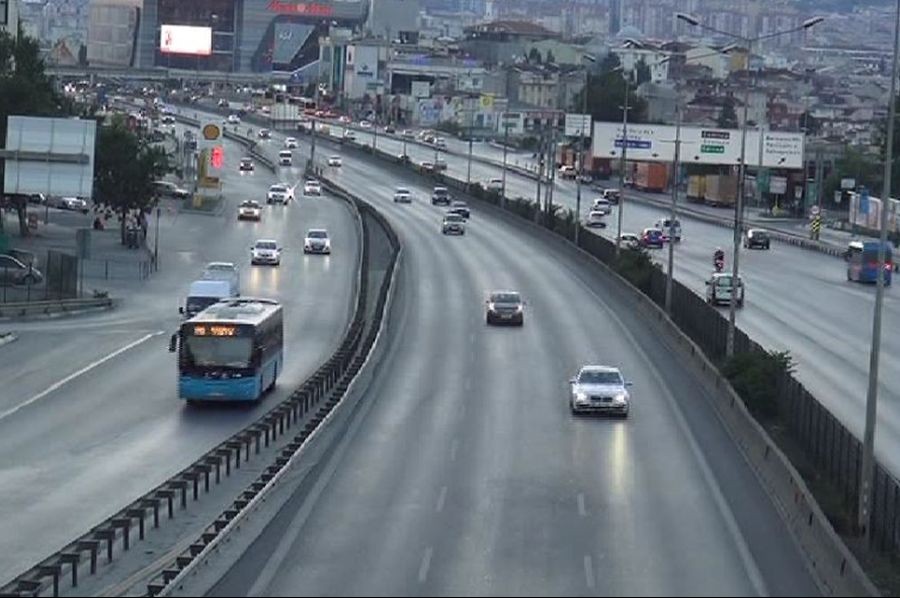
(755, 375)
(636, 266)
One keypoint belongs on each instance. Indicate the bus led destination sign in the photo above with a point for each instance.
(215, 330)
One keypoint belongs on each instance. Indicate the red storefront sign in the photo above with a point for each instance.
(311, 9)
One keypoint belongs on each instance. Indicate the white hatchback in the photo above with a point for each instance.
(312, 188)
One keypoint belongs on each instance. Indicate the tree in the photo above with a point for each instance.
(534, 56)
(25, 90)
(642, 72)
(857, 164)
(550, 57)
(606, 97)
(727, 116)
(125, 167)
(807, 122)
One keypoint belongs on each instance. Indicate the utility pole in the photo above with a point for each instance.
(868, 461)
(670, 274)
(622, 163)
(541, 146)
(312, 148)
(505, 146)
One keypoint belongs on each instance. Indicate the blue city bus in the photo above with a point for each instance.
(862, 262)
(231, 351)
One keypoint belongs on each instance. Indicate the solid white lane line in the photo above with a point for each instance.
(442, 498)
(581, 509)
(57, 385)
(589, 571)
(426, 564)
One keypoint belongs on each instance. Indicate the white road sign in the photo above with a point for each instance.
(578, 125)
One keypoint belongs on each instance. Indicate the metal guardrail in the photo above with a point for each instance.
(159, 504)
(59, 306)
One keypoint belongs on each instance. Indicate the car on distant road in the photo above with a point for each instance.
(652, 237)
(494, 185)
(440, 142)
(440, 164)
(611, 195)
(246, 164)
(312, 187)
(74, 204)
(278, 193)
(567, 172)
(250, 210)
(756, 238)
(602, 205)
(170, 189)
(365, 124)
(460, 207)
(334, 161)
(719, 289)
(453, 224)
(233, 119)
(402, 195)
(317, 241)
(599, 389)
(13, 271)
(264, 134)
(227, 271)
(440, 195)
(671, 229)
(344, 119)
(349, 135)
(505, 307)
(389, 129)
(585, 179)
(408, 134)
(290, 143)
(265, 251)
(630, 241)
(595, 218)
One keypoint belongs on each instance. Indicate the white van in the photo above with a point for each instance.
(204, 293)
(286, 158)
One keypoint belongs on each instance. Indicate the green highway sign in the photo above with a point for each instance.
(712, 149)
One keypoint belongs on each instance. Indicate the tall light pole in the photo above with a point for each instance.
(670, 274)
(868, 462)
(505, 146)
(470, 112)
(622, 162)
(584, 134)
(739, 203)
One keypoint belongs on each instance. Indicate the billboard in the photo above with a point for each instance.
(699, 145)
(578, 125)
(183, 39)
(54, 156)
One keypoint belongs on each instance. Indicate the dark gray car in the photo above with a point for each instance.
(12, 271)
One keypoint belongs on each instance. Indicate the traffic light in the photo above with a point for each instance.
(217, 157)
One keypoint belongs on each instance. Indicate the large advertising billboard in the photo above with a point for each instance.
(699, 145)
(182, 39)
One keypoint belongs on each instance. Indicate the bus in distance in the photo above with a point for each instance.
(862, 262)
(231, 351)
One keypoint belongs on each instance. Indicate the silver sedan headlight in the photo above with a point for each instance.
(621, 398)
(581, 398)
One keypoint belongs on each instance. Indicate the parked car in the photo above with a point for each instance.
(756, 238)
(265, 251)
(719, 289)
(440, 195)
(402, 195)
(317, 241)
(453, 224)
(250, 210)
(599, 389)
(13, 271)
(505, 307)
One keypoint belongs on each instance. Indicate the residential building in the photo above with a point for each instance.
(502, 42)
(112, 32)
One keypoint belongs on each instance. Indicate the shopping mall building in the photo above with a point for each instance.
(242, 36)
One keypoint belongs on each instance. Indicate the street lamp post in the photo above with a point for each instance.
(739, 203)
(584, 95)
(156, 241)
(868, 461)
(622, 162)
(670, 274)
(505, 146)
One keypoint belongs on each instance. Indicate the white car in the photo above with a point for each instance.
(312, 188)
(719, 289)
(265, 251)
(567, 172)
(290, 143)
(344, 119)
(495, 185)
(76, 204)
(349, 135)
(364, 124)
(595, 218)
(334, 161)
(407, 134)
(317, 241)
(278, 194)
(599, 389)
(402, 195)
(630, 240)
(602, 205)
(233, 119)
(440, 142)
(250, 210)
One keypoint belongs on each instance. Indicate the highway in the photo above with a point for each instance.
(468, 475)
(89, 415)
(797, 300)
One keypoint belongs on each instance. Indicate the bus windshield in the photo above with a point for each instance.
(210, 351)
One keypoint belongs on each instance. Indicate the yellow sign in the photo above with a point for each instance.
(211, 132)
(487, 102)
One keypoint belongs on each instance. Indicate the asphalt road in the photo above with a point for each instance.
(89, 414)
(469, 476)
(797, 300)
